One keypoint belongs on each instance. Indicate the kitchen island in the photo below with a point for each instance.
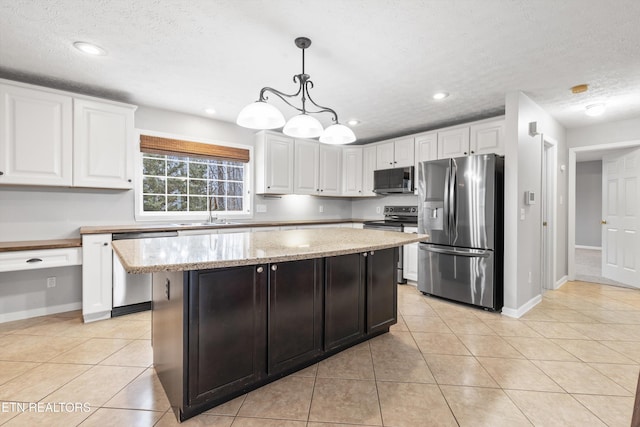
(232, 312)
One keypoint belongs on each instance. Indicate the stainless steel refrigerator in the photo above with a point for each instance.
(460, 207)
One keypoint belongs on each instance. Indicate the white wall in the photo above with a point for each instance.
(604, 133)
(523, 164)
(589, 203)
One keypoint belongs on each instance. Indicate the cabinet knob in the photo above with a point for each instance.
(372, 252)
(364, 254)
(465, 153)
(268, 186)
(472, 151)
(259, 269)
(105, 244)
(395, 163)
(1, 173)
(321, 191)
(128, 180)
(274, 267)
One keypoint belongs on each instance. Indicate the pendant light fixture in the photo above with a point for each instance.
(261, 115)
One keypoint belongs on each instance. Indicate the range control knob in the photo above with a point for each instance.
(413, 209)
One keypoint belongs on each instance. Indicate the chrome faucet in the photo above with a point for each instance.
(212, 218)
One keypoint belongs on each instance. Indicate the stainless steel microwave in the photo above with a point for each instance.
(392, 181)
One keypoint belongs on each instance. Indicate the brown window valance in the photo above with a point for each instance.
(177, 147)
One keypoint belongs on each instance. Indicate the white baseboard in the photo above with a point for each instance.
(517, 313)
(592, 248)
(560, 282)
(42, 311)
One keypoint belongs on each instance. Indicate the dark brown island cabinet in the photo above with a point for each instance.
(220, 333)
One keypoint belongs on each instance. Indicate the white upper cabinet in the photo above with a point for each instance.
(330, 177)
(103, 144)
(453, 143)
(487, 137)
(369, 163)
(403, 152)
(307, 167)
(274, 163)
(49, 137)
(35, 137)
(395, 154)
(426, 147)
(352, 171)
(384, 155)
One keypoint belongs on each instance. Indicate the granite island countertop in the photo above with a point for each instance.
(201, 252)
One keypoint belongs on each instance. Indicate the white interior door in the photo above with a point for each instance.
(621, 219)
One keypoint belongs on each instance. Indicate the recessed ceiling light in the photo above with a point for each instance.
(210, 110)
(594, 110)
(440, 95)
(353, 122)
(89, 48)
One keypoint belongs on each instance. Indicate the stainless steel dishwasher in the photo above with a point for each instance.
(132, 292)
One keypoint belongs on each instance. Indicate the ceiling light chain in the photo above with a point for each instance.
(260, 115)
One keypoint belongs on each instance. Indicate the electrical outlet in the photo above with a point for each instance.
(261, 208)
(522, 214)
(378, 209)
(530, 277)
(51, 282)
(321, 209)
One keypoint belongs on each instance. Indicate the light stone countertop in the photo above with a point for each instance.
(236, 249)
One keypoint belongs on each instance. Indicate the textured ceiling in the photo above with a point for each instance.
(375, 60)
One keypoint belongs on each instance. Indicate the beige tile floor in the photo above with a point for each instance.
(571, 361)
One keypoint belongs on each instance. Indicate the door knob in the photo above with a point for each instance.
(603, 221)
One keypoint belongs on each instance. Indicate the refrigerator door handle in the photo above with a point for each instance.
(445, 205)
(471, 253)
(453, 222)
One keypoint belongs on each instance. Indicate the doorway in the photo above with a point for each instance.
(585, 261)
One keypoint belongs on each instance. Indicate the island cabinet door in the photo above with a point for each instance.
(227, 331)
(382, 291)
(344, 299)
(295, 313)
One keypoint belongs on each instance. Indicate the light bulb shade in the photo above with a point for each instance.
(337, 134)
(260, 115)
(594, 110)
(303, 126)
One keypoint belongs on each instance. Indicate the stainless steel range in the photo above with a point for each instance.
(396, 218)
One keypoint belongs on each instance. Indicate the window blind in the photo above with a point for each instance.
(177, 147)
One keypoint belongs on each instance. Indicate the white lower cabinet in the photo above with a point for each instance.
(40, 258)
(410, 258)
(97, 277)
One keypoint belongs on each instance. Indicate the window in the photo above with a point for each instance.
(180, 185)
